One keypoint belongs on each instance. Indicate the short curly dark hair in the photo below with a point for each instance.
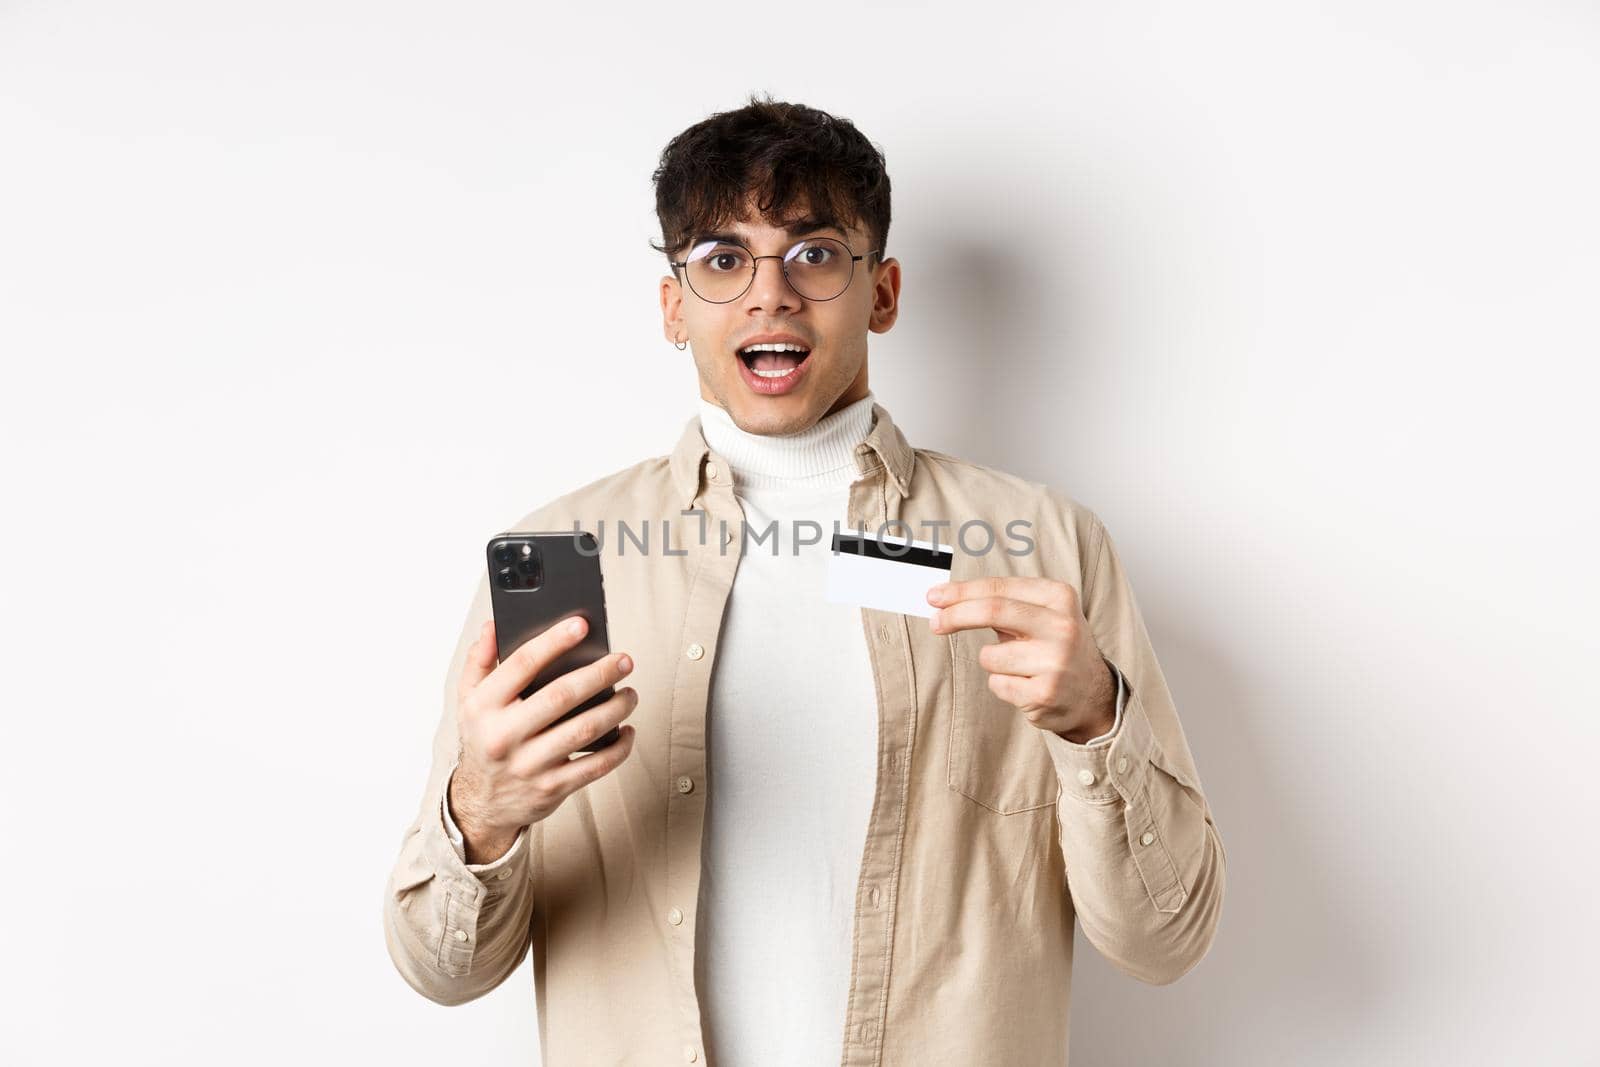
(784, 153)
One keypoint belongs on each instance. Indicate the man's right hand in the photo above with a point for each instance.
(511, 774)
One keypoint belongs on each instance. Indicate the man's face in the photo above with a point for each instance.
(756, 392)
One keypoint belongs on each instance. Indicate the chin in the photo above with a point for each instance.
(775, 415)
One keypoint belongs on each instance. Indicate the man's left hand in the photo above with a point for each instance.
(1046, 662)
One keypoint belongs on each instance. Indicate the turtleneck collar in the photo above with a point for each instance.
(820, 455)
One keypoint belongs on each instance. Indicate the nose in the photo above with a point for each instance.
(770, 289)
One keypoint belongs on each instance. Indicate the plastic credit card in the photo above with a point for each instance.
(886, 573)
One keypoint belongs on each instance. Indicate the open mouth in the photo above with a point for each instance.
(774, 368)
(774, 362)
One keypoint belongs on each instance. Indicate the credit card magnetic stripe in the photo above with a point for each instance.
(854, 545)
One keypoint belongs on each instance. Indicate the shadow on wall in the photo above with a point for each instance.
(1003, 339)
(977, 287)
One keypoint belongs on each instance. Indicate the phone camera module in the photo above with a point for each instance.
(517, 564)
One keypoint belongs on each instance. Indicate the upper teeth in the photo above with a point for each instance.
(775, 346)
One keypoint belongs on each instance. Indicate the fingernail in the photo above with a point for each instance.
(575, 626)
(626, 664)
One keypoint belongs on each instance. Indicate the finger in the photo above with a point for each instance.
(1022, 693)
(999, 613)
(553, 700)
(590, 768)
(1024, 658)
(519, 668)
(553, 747)
(479, 661)
(1045, 592)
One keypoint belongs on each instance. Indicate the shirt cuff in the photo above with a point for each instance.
(1111, 765)
(497, 870)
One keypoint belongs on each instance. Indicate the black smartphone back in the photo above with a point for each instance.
(539, 579)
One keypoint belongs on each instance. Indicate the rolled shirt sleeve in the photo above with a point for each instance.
(455, 931)
(1146, 868)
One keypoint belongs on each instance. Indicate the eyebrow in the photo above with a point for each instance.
(794, 229)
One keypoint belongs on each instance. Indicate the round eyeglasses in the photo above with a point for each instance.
(818, 268)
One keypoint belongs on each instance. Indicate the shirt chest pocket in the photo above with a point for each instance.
(997, 758)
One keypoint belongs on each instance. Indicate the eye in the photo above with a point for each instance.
(719, 258)
(814, 255)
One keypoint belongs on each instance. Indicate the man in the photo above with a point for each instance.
(848, 834)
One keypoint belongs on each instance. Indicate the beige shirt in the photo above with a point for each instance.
(987, 838)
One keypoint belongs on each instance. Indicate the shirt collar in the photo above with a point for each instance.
(885, 446)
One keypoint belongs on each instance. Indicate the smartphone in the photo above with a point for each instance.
(539, 579)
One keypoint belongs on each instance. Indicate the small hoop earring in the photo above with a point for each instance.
(680, 345)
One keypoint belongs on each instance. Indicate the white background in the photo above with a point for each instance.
(301, 301)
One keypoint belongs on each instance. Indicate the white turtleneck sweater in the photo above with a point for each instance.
(792, 743)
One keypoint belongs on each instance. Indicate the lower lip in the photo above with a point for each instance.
(773, 386)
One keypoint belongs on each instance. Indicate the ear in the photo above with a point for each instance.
(673, 328)
(885, 296)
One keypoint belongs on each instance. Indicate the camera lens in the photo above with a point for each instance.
(504, 554)
(508, 578)
(528, 566)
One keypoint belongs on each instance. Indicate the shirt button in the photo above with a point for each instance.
(874, 895)
(694, 651)
(686, 784)
(461, 935)
(1122, 764)
(690, 1054)
(1147, 838)
(675, 917)
(502, 876)
(727, 537)
(711, 471)
(1086, 776)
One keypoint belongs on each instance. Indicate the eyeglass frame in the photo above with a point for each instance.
(783, 265)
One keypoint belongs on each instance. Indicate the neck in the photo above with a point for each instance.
(820, 455)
